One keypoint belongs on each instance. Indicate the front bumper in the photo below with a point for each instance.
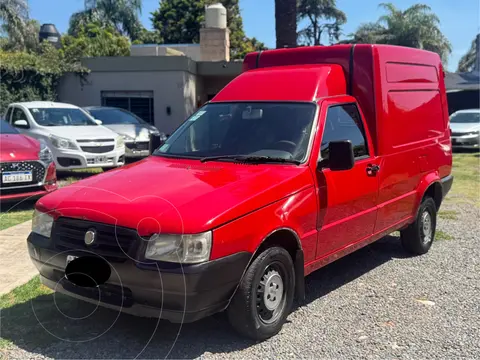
(164, 290)
(77, 159)
(31, 192)
(134, 150)
(466, 142)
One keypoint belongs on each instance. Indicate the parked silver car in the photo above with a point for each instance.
(465, 125)
(135, 131)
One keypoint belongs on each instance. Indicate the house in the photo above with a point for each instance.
(163, 84)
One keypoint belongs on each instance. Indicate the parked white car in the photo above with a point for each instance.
(465, 125)
(76, 140)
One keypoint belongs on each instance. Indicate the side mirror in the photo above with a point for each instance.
(22, 124)
(99, 122)
(340, 155)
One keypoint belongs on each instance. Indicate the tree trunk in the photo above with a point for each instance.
(286, 23)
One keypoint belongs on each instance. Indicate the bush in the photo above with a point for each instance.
(30, 76)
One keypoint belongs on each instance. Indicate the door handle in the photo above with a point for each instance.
(372, 169)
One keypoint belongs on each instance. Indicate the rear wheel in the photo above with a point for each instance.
(418, 237)
(264, 298)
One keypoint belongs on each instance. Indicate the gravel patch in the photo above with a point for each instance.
(377, 303)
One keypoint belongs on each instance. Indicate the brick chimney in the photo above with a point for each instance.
(215, 36)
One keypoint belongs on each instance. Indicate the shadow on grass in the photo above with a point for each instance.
(61, 327)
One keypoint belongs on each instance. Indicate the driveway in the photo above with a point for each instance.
(376, 303)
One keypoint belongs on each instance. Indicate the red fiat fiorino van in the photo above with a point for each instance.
(310, 154)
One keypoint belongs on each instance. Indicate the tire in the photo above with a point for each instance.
(249, 312)
(418, 237)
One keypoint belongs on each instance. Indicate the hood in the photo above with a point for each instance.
(82, 132)
(176, 196)
(464, 127)
(139, 132)
(17, 147)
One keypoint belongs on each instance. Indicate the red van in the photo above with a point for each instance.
(310, 154)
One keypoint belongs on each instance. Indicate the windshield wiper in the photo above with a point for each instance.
(251, 159)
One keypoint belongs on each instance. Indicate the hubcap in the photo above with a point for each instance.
(427, 227)
(270, 295)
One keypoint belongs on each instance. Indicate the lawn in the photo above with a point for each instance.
(466, 182)
(16, 213)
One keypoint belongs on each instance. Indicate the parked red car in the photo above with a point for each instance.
(27, 166)
(309, 155)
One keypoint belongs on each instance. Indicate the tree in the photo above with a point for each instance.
(14, 17)
(122, 15)
(179, 22)
(323, 17)
(416, 27)
(149, 37)
(94, 40)
(470, 61)
(286, 23)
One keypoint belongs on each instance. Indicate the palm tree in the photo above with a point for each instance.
(286, 23)
(471, 60)
(416, 27)
(121, 14)
(13, 17)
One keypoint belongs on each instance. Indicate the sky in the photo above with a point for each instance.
(460, 19)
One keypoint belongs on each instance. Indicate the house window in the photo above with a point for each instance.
(138, 102)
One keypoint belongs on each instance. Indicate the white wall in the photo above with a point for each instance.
(176, 89)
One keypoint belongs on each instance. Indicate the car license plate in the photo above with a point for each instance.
(16, 177)
(101, 159)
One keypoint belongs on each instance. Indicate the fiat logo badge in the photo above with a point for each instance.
(90, 237)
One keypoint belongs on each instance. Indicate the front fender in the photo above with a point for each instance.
(426, 181)
(296, 212)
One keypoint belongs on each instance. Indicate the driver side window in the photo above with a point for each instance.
(344, 123)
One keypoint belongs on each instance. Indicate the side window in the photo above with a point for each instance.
(8, 115)
(344, 123)
(19, 114)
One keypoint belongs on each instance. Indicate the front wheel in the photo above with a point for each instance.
(418, 237)
(264, 297)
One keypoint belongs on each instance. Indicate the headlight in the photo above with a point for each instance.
(187, 249)
(42, 223)
(120, 142)
(127, 138)
(62, 143)
(45, 155)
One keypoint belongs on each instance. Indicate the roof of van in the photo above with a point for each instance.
(45, 104)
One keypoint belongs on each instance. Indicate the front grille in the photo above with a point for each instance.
(37, 169)
(98, 149)
(66, 162)
(95, 140)
(112, 242)
(138, 146)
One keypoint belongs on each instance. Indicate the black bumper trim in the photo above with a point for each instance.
(177, 294)
(447, 182)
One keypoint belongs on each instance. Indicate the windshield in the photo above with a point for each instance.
(278, 130)
(6, 128)
(466, 118)
(116, 116)
(61, 117)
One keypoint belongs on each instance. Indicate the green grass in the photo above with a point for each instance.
(24, 293)
(448, 214)
(466, 182)
(441, 235)
(20, 295)
(14, 217)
